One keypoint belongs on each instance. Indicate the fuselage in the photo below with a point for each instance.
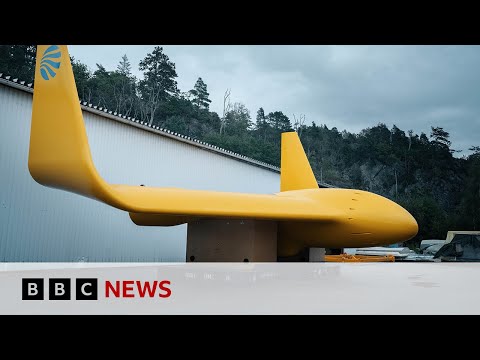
(333, 218)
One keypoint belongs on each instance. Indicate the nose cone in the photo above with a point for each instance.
(380, 221)
(406, 226)
(396, 223)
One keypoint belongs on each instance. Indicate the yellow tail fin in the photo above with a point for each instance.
(59, 155)
(296, 173)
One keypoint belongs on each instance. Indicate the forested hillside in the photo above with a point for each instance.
(418, 171)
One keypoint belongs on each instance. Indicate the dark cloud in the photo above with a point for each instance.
(350, 87)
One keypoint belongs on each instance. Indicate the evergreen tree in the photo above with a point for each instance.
(261, 125)
(124, 67)
(158, 81)
(200, 94)
(124, 87)
(238, 120)
(18, 61)
(101, 86)
(424, 139)
(279, 121)
(82, 79)
(470, 197)
(440, 137)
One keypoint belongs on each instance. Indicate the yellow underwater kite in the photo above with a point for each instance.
(306, 215)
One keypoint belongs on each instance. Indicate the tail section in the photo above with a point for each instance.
(59, 155)
(296, 173)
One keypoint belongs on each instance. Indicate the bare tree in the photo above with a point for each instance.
(396, 183)
(144, 110)
(298, 124)
(410, 136)
(124, 94)
(226, 108)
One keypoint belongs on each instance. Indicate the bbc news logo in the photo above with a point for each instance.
(60, 289)
(87, 289)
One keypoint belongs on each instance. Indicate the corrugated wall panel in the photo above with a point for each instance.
(43, 224)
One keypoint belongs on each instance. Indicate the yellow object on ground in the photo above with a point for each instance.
(59, 157)
(359, 258)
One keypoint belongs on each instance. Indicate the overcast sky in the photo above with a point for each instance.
(350, 87)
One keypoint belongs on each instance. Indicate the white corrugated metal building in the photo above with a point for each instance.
(42, 224)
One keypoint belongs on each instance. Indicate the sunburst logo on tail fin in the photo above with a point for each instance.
(50, 62)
